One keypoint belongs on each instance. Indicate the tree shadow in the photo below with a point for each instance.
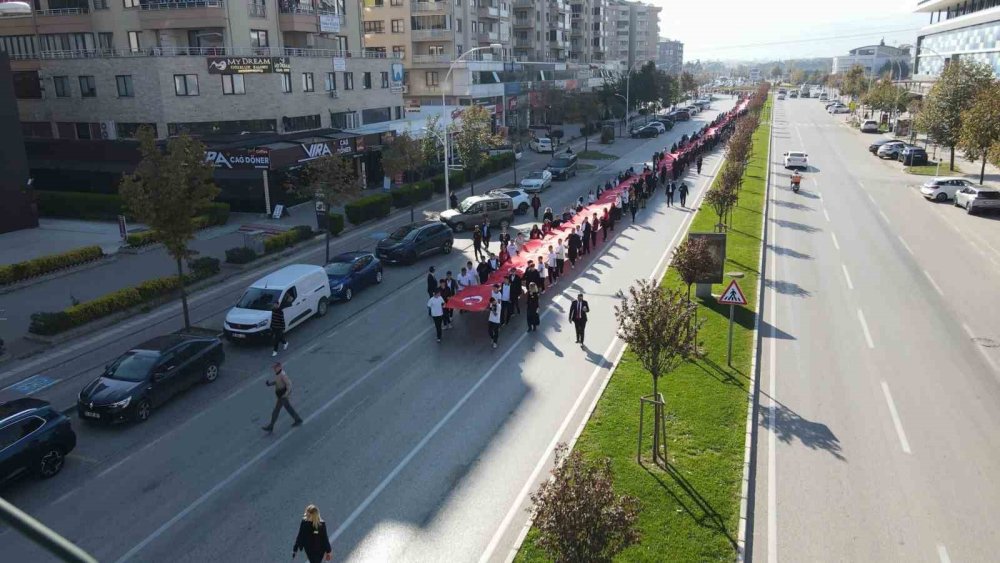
(788, 288)
(793, 205)
(788, 425)
(691, 501)
(785, 251)
(742, 266)
(802, 227)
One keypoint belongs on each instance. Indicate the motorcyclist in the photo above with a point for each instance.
(796, 180)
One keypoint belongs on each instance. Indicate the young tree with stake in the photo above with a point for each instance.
(331, 180)
(473, 139)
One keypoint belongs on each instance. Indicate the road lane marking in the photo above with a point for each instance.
(906, 246)
(943, 553)
(982, 351)
(968, 330)
(772, 442)
(884, 216)
(937, 288)
(860, 183)
(870, 198)
(895, 418)
(66, 496)
(827, 215)
(835, 243)
(864, 327)
(847, 277)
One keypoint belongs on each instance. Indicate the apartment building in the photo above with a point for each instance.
(957, 29)
(634, 32)
(541, 30)
(99, 69)
(670, 56)
(590, 31)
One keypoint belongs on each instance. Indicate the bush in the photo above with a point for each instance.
(369, 207)
(287, 239)
(303, 232)
(79, 205)
(151, 289)
(46, 264)
(607, 136)
(411, 194)
(240, 255)
(48, 324)
(103, 306)
(335, 223)
(136, 240)
(203, 267)
(456, 179)
(217, 213)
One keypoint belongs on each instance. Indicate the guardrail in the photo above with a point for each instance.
(182, 5)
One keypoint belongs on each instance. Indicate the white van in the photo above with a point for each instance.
(541, 144)
(303, 291)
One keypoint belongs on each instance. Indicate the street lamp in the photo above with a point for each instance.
(628, 83)
(625, 113)
(447, 153)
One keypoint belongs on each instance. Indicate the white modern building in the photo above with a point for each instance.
(873, 59)
(957, 29)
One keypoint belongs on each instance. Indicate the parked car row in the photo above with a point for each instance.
(892, 149)
(963, 193)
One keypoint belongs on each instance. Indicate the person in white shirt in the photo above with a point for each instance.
(505, 304)
(591, 198)
(560, 256)
(624, 197)
(495, 294)
(543, 274)
(519, 240)
(511, 249)
(463, 279)
(435, 308)
(494, 320)
(550, 261)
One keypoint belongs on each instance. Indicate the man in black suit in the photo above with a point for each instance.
(432, 282)
(578, 314)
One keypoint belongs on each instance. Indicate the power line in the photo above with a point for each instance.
(811, 39)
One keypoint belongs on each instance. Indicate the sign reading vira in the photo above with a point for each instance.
(248, 65)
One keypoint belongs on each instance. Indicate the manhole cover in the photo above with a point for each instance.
(986, 342)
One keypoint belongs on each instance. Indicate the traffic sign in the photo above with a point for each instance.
(733, 295)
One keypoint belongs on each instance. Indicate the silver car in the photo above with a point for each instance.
(977, 198)
(535, 182)
(943, 189)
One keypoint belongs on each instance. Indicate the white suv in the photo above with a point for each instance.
(943, 189)
(869, 126)
(796, 159)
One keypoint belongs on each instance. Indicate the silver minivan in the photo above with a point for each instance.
(498, 208)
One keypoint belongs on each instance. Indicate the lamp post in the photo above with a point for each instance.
(625, 113)
(628, 84)
(447, 153)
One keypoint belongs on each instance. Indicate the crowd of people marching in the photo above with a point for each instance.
(571, 249)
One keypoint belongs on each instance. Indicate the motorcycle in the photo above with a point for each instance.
(795, 185)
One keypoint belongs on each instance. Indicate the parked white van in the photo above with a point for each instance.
(303, 291)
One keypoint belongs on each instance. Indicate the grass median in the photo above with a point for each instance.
(691, 511)
(933, 169)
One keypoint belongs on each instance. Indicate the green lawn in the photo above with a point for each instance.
(595, 155)
(691, 512)
(585, 166)
(932, 170)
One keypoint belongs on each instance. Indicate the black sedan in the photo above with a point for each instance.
(645, 132)
(148, 376)
(874, 147)
(34, 439)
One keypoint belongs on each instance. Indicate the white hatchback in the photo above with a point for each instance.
(796, 159)
(541, 144)
(943, 189)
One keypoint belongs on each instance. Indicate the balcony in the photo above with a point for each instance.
(524, 23)
(523, 43)
(192, 14)
(432, 34)
(431, 60)
(424, 7)
(62, 20)
(489, 12)
(204, 52)
(524, 3)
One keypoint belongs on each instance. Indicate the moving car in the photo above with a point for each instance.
(535, 182)
(563, 166)
(148, 375)
(793, 94)
(890, 150)
(351, 271)
(521, 199)
(944, 188)
(838, 108)
(977, 198)
(541, 144)
(869, 126)
(34, 439)
(796, 159)
(410, 242)
(823, 97)
(645, 132)
(912, 155)
(781, 96)
(302, 289)
(496, 208)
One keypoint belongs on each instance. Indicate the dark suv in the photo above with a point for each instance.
(148, 376)
(563, 166)
(34, 438)
(410, 242)
(912, 155)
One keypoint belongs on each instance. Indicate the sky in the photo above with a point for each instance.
(785, 29)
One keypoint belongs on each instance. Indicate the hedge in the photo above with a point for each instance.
(335, 223)
(46, 264)
(79, 205)
(143, 238)
(288, 238)
(412, 194)
(240, 255)
(203, 267)
(369, 207)
(217, 213)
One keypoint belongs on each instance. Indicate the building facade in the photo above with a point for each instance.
(957, 29)
(874, 59)
(635, 30)
(99, 69)
(541, 30)
(670, 56)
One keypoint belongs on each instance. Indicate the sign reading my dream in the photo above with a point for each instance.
(248, 65)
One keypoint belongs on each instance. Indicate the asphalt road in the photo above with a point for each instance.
(879, 387)
(414, 450)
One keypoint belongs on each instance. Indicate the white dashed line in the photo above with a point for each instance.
(937, 288)
(826, 215)
(847, 277)
(895, 419)
(943, 553)
(968, 330)
(864, 327)
(862, 185)
(906, 246)
(871, 199)
(835, 243)
(66, 496)
(884, 216)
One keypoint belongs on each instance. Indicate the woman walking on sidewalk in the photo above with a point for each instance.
(532, 306)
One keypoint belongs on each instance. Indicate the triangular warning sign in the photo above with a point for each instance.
(733, 295)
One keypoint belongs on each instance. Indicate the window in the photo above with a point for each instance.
(395, 2)
(88, 89)
(83, 131)
(36, 129)
(105, 40)
(27, 85)
(399, 112)
(301, 123)
(331, 81)
(101, 4)
(286, 83)
(432, 78)
(398, 26)
(399, 51)
(379, 3)
(186, 84)
(435, 50)
(458, 24)
(61, 84)
(385, 79)
(130, 3)
(133, 42)
(258, 38)
(375, 26)
(232, 84)
(366, 81)
(124, 83)
(348, 81)
(307, 82)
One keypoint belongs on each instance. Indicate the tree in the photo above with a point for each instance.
(579, 516)
(472, 140)
(429, 143)
(776, 72)
(165, 192)
(951, 95)
(981, 126)
(854, 83)
(657, 325)
(688, 83)
(585, 108)
(404, 154)
(693, 260)
(798, 76)
(330, 180)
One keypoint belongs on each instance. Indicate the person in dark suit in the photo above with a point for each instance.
(486, 233)
(432, 282)
(578, 315)
(483, 271)
(313, 537)
(515, 291)
(532, 307)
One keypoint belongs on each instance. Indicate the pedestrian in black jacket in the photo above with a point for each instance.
(432, 282)
(595, 223)
(477, 243)
(278, 328)
(532, 307)
(578, 316)
(573, 243)
(313, 537)
(515, 292)
(683, 192)
(585, 237)
(483, 271)
(531, 275)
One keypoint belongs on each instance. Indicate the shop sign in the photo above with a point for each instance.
(344, 146)
(248, 65)
(239, 159)
(329, 23)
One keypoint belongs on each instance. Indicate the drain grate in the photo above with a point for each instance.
(986, 342)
